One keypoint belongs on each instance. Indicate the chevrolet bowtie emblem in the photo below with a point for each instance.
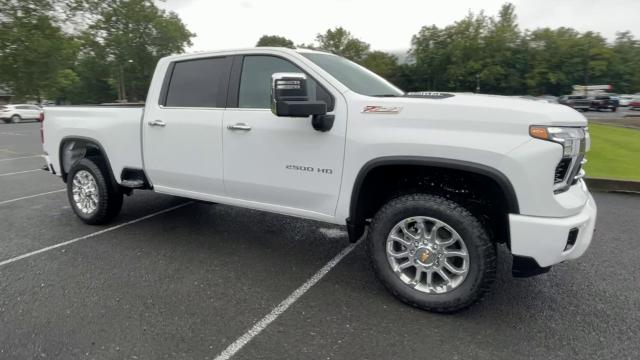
(424, 256)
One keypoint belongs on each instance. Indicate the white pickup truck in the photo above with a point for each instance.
(439, 180)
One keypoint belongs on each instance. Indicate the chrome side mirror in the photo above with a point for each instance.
(289, 96)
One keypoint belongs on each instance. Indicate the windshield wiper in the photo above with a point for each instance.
(386, 95)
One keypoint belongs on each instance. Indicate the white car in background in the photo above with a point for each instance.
(17, 112)
(626, 99)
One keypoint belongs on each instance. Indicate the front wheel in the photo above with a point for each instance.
(431, 253)
(91, 192)
(16, 119)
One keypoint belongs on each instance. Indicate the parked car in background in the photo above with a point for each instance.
(548, 98)
(635, 104)
(18, 112)
(603, 102)
(626, 99)
(531, 97)
(578, 102)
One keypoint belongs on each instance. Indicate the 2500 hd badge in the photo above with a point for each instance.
(309, 169)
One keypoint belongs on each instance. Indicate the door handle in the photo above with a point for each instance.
(239, 126)
(157, 123)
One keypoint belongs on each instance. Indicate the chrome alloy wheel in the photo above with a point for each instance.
(85, 192)
(427, 254)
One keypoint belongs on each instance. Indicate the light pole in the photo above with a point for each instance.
(477, 83)
(123, 95)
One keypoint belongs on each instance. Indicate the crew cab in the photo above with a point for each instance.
(435, 181)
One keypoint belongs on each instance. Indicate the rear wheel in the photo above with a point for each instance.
(431, 253)
(91, 192)
(16, 119)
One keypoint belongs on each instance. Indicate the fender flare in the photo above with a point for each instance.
(355, 225)
(89, 140)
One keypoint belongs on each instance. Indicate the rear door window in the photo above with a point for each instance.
(199, 83)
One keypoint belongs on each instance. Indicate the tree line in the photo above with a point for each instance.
(85, 51)
(95, 51)
(493, 55)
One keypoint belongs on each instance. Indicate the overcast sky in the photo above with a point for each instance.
(386, 25)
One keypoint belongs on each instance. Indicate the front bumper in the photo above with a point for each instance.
(548, 240)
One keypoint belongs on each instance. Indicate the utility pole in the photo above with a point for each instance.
(586, 67)
(122, 91)
(123, 96)
(477, 83)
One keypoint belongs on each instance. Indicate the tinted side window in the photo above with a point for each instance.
(255, 81)
(199, 83)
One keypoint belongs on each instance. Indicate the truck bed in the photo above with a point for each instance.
(116, 128)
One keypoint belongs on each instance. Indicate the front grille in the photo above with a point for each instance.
(561, 170)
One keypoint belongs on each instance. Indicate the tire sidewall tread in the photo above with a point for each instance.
(482, 251)
(109, 197)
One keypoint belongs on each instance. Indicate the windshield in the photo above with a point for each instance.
(353, 76)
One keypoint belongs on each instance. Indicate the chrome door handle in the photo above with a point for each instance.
(157, 123)
(239, 126)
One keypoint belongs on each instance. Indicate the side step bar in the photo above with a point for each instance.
(133, 184)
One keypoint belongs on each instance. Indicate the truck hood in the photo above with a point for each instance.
(490, 109)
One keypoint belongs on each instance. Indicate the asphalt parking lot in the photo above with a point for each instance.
(624, 117)
(192, 278)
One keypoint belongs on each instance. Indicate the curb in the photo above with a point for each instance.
(611, 185)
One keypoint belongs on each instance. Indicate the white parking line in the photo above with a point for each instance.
(9, 261)
(20, 172)
(30, 196)
(283, 306)
(21, 157)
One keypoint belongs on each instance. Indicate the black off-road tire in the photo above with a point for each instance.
(482, 252)
(109, 194)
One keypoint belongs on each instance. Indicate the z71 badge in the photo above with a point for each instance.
(376, 109)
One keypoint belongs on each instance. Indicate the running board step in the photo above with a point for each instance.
(134, 184)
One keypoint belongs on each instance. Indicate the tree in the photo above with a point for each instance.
(624, 67)
(381, 63)
(108, 42)
(340, 42)
(275, 40)
(133, 35)
(33, 48)
(504, 56)
(450, 58)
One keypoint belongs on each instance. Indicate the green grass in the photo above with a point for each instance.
(614, 154)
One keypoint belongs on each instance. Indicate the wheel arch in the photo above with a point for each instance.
(91, 147)
(356, 220)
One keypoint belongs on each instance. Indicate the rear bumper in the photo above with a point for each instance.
(549, 241)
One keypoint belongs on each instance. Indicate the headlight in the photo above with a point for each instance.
(571, 138)
(575, 141)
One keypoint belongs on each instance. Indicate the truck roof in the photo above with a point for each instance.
(243, 50)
